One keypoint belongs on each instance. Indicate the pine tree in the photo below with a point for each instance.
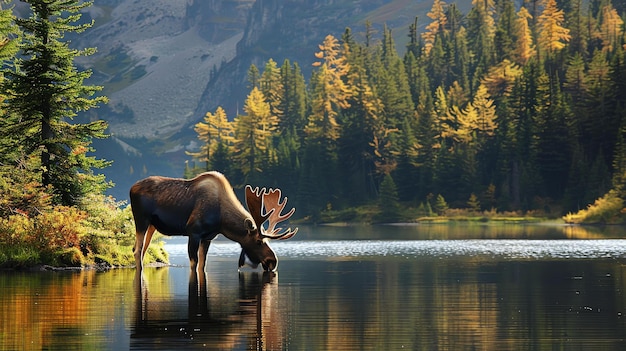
(272, 87)
(8, 35)
(254, 77)
(486, 123)
(577, 24)
(45, 92)
(504, 39)
(294, 103)
(362, 123)
(388, 204)
(441, 206)
(473, 204)
(8, 48)
(481, 34)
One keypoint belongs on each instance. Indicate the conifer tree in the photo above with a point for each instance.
(8, 48)
(363, 122)
(253, 132)
(272, 87)
(439, 20)
(388, 200)
(504, 39)
(524, 47)
(481, 34)
(611, 29)
(330, 92)
(45, 91)
(254, 77)
(215, 132)
(578, 26)
(552, 35)
(294, 103)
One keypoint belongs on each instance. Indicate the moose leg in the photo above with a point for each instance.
(192, 251)
(202, 251)
(142, 241)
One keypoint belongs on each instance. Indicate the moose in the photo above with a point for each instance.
(203, 207)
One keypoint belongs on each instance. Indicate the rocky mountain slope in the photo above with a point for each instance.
(164, 64)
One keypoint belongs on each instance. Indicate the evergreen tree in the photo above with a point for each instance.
(441, 206)
(388, 204)
(9, 35)
(481, 33)
(45, 91)
(8, 48)
(577, 23)
(271, 86)
(504, 39)
(363, 122)
(294, 103)
(254, 77)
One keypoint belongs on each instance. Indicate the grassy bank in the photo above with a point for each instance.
(372, 215)
(99, 234)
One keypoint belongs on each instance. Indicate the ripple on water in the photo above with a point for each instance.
(506, 249)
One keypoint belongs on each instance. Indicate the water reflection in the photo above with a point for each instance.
(216, 317)
(401, 293)
(62, 310)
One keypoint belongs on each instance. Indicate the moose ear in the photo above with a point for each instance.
(249, 224)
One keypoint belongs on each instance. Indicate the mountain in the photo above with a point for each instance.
(164, 64)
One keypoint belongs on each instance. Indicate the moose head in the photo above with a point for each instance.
(266, 207)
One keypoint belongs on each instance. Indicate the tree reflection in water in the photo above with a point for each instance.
(216, 317)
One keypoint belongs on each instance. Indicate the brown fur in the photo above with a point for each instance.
(199, 208)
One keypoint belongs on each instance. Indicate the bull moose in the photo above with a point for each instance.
(203, 207)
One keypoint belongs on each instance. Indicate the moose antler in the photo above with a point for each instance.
(264, 206)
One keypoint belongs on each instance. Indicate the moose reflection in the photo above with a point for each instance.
(215, 317)
(203, 207)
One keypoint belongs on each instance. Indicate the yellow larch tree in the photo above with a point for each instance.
(500, 78)
(330, 93)
(552, 36)
(213, 130)
(253, 130)
(611, 28)
(438, 15)
(524, 49)
(486, 124)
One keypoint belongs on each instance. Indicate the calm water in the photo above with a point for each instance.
(344, 288)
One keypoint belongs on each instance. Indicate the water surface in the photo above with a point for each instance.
(343, 288)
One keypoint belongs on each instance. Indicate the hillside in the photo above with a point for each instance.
(164, 64)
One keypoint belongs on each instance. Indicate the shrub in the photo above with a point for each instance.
(100, 231)
(607, 209)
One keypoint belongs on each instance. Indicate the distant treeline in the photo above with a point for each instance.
(515, 109)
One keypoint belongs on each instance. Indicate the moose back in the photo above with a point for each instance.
(203, 207)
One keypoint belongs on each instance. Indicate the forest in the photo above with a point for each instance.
(498, 109)
(53, 210)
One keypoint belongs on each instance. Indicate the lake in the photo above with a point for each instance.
(411, 287)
